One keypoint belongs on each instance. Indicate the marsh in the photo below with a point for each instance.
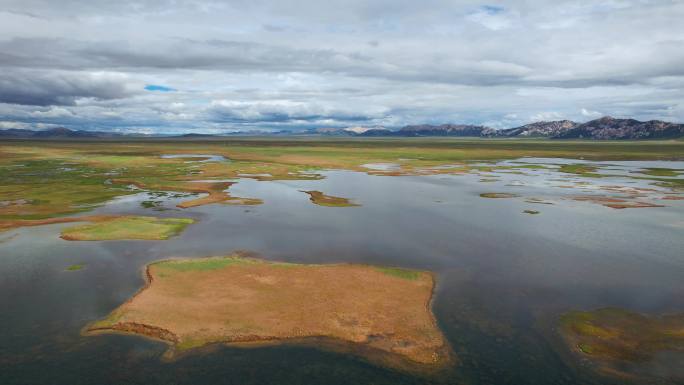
(504, 277)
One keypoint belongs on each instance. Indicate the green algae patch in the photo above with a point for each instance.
(75, 267)
(144, 228)
(610, 336)
(496, 195)
(318, 198)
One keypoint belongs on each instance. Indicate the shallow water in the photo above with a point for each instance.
(201, 157)
(503, 276)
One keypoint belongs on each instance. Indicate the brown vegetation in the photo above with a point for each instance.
(194, 302)
(321, 199)
(615, 203)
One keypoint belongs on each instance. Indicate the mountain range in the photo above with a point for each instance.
(602, 128)
(55, 133)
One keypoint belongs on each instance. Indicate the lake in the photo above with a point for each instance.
(503, 276)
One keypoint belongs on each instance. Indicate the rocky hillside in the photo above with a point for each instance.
(603, 128)
(612, 128)
(442, 130)
(538, 129)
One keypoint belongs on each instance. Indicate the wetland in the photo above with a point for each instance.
(371, 259)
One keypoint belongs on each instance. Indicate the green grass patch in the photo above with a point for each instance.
(205, 264)
(144, 228)
(660, 172)
(400, 273)
(75, 267)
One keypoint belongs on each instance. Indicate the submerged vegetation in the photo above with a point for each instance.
(610, 336)
(75, 267)
(498, 195)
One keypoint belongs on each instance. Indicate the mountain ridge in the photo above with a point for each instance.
(604, 128)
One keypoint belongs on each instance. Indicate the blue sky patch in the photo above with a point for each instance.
(156, 87)
(492, 9)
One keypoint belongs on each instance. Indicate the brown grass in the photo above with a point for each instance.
(216, 192)
(194, 302)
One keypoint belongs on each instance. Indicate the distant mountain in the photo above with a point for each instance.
(55, 133)
(195, 136)
(326, 131)
(612, 128)
(14, 133)
(349, 131)
(441, 130)
(603, 128)
(375, 132)
(538, 129)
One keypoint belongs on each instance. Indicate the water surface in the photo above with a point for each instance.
(503, 276)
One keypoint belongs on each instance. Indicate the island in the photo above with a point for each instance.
(378, 313)
(127, 227)
(613, 339)
(318, 198)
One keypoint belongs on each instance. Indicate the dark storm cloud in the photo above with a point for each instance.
(40, 88)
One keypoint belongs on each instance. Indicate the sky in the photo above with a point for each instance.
(162, 66)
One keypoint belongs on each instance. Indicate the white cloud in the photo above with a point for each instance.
(52, 112)
(590, 114)
(547, 116)
(292, 63)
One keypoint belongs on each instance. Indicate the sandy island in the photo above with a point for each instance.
(378, 313)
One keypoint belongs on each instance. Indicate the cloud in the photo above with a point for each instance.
(547, 116)
(492, 17)
(44, 88)
(281, 112)
(591, 114)
(293, 63)
(52, 112)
